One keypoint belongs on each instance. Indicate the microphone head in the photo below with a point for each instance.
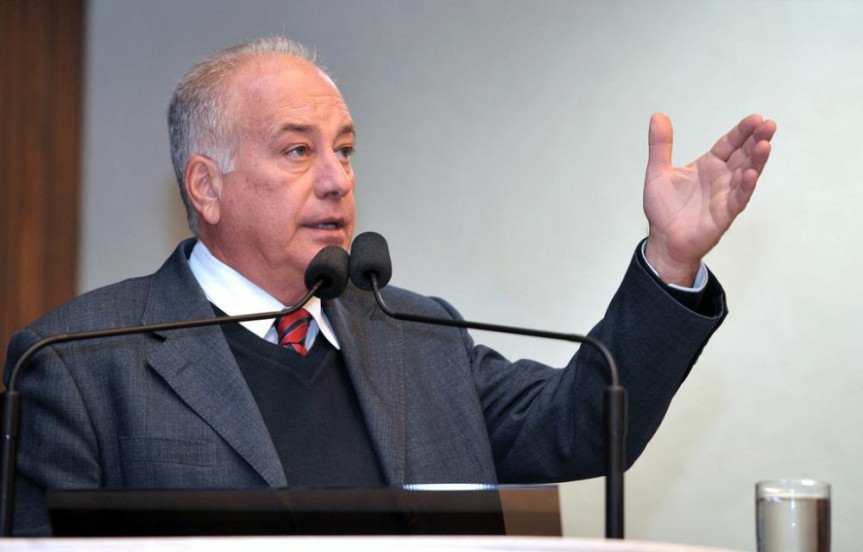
(369, 253)
(330, 265)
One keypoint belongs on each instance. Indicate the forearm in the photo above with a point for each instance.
(558, 432)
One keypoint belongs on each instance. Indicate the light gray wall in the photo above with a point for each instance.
(502, 147)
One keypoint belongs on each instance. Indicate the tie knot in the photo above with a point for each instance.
(292, 330)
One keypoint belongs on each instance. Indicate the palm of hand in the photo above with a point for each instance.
(693, 206)
(690, 208)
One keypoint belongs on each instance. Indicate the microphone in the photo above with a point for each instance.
(370, 256)
(325, 277)
(327, 273)
(371, 269)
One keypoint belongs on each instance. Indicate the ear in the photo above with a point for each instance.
(203, 182)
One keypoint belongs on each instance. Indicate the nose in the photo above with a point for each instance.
(334, 178)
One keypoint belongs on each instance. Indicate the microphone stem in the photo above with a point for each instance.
(609, 359)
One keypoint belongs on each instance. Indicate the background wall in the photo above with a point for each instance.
(42, 45)
(502, 148)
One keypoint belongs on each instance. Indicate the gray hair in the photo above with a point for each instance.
(198, 123)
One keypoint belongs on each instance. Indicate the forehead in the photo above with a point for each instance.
(267, 93)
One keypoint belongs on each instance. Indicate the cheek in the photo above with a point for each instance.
(264, 203)
(350, 207)
(257, 221)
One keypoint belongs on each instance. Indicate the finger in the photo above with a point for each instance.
(754, 153)
(743, 157)
(660, 138)
(760, 154)
(742, 193)
(744, 181)
(765, 130)
(736, 137)
(748, 178)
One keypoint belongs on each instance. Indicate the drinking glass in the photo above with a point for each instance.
(792, 515)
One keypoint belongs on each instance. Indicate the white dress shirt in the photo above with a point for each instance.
(235, 295)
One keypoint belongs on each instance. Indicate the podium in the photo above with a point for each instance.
(413, 510)
(346, 544)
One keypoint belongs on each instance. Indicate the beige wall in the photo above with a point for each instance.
(502, 148)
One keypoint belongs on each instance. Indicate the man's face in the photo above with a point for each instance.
(290, 192)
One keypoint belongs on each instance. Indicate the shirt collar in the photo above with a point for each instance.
(235, 295)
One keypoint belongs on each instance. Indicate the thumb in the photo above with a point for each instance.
(659, 139)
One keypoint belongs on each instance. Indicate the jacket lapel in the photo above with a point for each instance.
(371, 346)
(200, 367)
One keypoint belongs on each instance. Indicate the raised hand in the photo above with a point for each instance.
(689, 208)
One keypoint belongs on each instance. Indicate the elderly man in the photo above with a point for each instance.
(343, 396)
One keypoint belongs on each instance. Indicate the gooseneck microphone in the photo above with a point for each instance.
(325, 277)
(371, 269)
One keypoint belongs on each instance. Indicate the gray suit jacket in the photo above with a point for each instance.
(172, 410)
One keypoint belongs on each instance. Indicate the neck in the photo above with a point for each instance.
(288, 288)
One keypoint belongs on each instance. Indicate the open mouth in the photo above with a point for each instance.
(327, 226)
(335, 223)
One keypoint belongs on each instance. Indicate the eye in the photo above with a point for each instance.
(298, 152)
(345, 152)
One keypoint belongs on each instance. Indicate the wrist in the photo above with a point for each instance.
(670, 269)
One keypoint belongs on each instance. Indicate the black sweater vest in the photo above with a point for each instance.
(311, 410)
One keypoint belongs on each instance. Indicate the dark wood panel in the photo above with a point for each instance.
(41, 83)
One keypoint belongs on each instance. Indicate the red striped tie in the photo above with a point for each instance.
(292, 330)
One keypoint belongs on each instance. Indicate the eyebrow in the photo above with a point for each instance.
(308, 129)
(292, 127)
